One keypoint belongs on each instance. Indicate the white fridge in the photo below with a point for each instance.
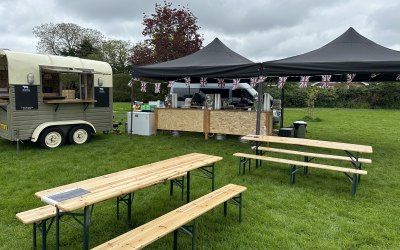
(142, 123)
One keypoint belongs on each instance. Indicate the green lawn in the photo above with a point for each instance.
(318, 213)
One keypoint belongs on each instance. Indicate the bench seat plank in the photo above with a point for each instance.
(316, 155)
(37, 214)
(301, 163)
(155, 229)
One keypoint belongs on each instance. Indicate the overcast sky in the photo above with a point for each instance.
(257, 29)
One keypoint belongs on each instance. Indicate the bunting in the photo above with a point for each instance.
(143, 86)
(304, 81)
(235, 83)
(350, 77)
(374, 75)
(157, 87)
(398, 77)
(326, 80)
(170, 84)
(130, 83)
(221, 83)
(253, 81)
(282, 81)
(261, 79)
(203, 81)
(187, 81)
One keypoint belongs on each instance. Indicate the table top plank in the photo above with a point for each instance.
(130, 180)
(310, 143)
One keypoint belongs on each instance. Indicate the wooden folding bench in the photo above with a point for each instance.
(243, 158)
(308, 157)
(39, 217)
(177, 220)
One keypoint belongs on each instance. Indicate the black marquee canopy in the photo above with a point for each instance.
(350, 53)
(214, 60)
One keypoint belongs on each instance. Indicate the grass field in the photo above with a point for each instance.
(318, 213)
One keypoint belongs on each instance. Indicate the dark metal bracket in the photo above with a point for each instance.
(189, 230)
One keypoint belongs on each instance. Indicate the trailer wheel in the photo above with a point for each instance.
(79, 134)
(52, 137)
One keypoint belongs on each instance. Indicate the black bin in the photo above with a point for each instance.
(299, 129)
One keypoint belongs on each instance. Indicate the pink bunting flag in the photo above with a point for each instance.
(170, 84)
(143, 86)
(326, 79)
(157, 87)
(282, 81)
(221, 83)
(261, 79)
(304, 81)
(203, 81)
(235, 83)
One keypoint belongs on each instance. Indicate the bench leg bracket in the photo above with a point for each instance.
(188, 230)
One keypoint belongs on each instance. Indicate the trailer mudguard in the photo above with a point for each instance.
(41, 127)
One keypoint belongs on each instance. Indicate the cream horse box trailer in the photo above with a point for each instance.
(53, 99)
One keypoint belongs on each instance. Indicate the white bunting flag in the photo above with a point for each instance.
(203, 81)
(187, 81)
(304, 81)
(282, 81)
(374, 75)
(143, 86)
(130, 83)
(398, 77)
(157, 87)
(170, 84)
(221, 83)
(261, 79)
(253, 81)
(350, 77)
(235, 83)
(326, 80)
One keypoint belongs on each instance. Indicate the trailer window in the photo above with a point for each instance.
(3, 76)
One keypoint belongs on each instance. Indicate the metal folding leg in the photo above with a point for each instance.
(177, 182)
(87, 215)
(237, 201)
(242, 164)
(188, 230)
(43, 230)
(128, 200)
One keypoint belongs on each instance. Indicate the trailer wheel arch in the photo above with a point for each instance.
(39, 129)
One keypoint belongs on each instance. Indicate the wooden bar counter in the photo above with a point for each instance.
(233, 122)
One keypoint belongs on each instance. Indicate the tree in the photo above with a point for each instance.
(171, 32)
(116, 53)
(66, 38)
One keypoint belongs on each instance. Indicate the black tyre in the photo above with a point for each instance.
(79, 134)
(52, 137)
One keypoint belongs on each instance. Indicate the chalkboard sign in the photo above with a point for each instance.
(26, 97)
(102, 96)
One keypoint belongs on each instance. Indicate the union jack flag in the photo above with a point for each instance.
(304, 81)
(350, 77)
(282, 81)
(398, 77)
(203, 81)
(170, 84)
(130, 83)
(221, 83)
(157, 87)
(143, 86)
(187, 81)
(326, 80)
(253, 81)
(235, 83)
(374, 75)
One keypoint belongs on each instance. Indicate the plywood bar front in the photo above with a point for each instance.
(233, 122)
